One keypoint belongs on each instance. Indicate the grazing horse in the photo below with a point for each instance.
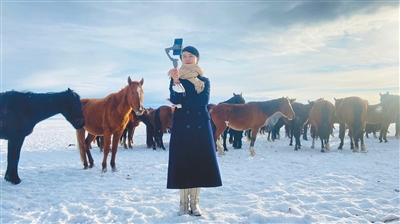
(353, 112)
(251, 115)
(322, 117)
(161, 119)
(108, 117)
(237, 135)
(390, 106)
(21, 111)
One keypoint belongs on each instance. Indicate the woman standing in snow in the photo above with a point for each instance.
(192, 159)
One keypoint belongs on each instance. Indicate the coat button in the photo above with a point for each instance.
(199, 127)
(187, 126)
(199, 113)
(187, 112)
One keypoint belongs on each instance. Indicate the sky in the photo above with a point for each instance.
(262, 49)
(277, 185)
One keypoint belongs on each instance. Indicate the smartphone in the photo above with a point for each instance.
(177, 46)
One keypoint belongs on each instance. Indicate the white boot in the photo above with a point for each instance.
(184, 201)
(194, 201)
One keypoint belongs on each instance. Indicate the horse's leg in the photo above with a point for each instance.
(239, 137)
(224, 139)
(231, 136)
(312, 133)
(356, 138)
(107, 142)
(342, 130)
(363, 148)
(305, 127)
(130, 137)
(397, 127)
(80, 136)
(296, 134)
(88, 140)
(116, 136)
(219, 128)
(123, 138)
(384, 130)
(322, 144)
(161, 141)
(351, 136)
(291, 135)
(13, 154)
(254, 132)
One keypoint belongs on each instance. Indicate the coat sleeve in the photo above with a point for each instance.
(191, 98)
(176, 98)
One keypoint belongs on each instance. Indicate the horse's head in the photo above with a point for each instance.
(72, 109)
(383, 96)
(286, 108)
(235, 99)
(311, 103)
(337, 104)
(390, 101)
(238, 99)
(135, 95)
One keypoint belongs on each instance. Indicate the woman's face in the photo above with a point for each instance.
(188, 58)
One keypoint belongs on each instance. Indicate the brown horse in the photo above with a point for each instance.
(129, 130)
(321, 118)
(391, 105)
(251, 115)
(108, 117)
(353, 112)
(161, 119)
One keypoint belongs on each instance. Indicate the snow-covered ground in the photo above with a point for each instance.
(277, 185)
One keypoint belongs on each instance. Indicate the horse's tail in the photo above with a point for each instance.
(358, 126)
(324, 126)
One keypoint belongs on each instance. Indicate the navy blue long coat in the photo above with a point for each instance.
(192, 157)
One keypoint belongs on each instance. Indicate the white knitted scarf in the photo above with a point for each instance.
(190, 72)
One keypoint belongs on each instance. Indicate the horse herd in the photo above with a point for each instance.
(117, 115)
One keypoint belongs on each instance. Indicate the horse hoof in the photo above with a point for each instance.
(104, 170)
(13, 181)
(114, 169)
(322, 150)
(226, 150)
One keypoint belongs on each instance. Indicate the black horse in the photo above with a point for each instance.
(296, 125)
(235, 136)
(21, 111)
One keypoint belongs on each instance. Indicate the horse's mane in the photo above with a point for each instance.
(270, 106)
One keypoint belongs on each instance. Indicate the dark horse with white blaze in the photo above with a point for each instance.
(21, 111)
